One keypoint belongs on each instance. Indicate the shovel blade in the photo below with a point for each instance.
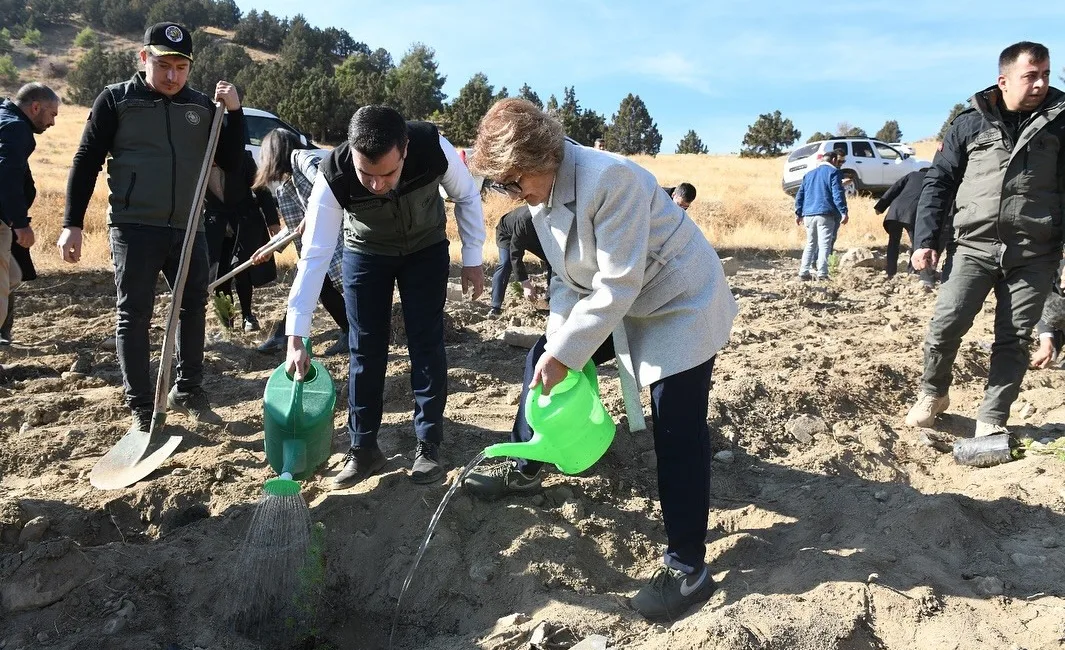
(132, 458)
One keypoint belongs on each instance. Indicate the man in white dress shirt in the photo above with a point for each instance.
(381, 189)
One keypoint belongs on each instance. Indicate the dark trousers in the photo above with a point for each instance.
(1019, 294)
(500, 278)
(369, 281)
(894, 230)
(682, 444)
(139, 254)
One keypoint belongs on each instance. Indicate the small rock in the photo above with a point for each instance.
(522, 337)
(560, 494)
(649, 459)
(804, 427)
(1049, 542)
(827, 537)
(1024, 560)
(890, 328)
(990, 586)
(936, 440)
(42, 637)
(72, 376)
(727, 457)
(482, 572)
(33, 531)
(24, 428)
(573, 511)
(83, 363)
(881, 495)
(538, 500)
(862, 258)
(730, 265)
(539, 635)
(594, 642)
(454, 292)
(110, 344)
(513, 620)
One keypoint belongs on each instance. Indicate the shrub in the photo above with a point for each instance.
(86, 38)
(32, 38)
(8, 71)
(5, 40)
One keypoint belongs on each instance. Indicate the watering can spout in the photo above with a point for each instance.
(535, 449)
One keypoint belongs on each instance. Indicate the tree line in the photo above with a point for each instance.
(318, 77)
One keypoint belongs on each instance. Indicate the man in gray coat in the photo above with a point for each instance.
(1003, 164)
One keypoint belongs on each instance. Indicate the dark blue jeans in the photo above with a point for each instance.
(369, 281)
(500, 278)
(682, 444)
(139, 254)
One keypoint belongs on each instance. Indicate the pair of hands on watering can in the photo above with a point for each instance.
(297, 361)
(548, 372)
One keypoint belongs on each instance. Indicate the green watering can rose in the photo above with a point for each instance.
(298, 419)
(571, 429)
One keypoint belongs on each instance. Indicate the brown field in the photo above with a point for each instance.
(739, 206)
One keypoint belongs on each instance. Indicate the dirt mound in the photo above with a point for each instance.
(832, 526)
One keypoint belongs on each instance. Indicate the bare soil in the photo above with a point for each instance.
(836, 531)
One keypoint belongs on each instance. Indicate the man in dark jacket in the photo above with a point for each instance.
(1002, 163)
(32, 111)
(820, 206)
(900, 203)
(381, 189)
(515, 235)
(156, 130)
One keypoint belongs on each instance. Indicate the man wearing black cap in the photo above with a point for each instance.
(156, 130)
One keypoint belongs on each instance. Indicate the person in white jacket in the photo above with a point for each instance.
(635, 279)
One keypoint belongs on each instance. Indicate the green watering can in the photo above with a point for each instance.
(298, 420)
(571, 429)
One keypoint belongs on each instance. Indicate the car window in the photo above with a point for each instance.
(863, 150)
(258, 127)
(886, 152)
(802, 152)
(840, 147)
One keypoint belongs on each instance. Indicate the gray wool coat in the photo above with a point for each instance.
(628, 262)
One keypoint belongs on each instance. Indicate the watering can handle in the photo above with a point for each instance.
(295, 404)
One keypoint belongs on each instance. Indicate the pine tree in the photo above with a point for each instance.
(310, 104)
(415, 83)
(632, 130)
(954, 112)
(465, 112)
(890, 132)
(770, 134)
(818, 136)
(525, 92)
(691, 143)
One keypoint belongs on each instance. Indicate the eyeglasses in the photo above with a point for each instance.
(511, 189)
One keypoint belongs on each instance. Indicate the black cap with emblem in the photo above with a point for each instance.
(165, 39)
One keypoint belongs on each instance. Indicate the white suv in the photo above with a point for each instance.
(872, 165)
(259, 123)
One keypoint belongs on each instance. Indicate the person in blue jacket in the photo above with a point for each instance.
(821, 206)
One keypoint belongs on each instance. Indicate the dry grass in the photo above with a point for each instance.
(740, 204)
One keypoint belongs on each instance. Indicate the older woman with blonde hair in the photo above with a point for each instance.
(635, 279)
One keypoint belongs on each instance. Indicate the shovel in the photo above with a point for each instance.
(139, 453)
(276, 243)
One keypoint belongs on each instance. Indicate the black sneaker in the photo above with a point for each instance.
(251, 324)
(340, 346)
(671, 593)
(142, 419)
(501, 479)
(426, 468)
(193, 403)
(359, 463)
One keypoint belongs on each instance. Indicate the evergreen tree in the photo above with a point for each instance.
(818, 136)
(890, 132)
(845, 130)
(95, 69)
(216, 60)
(583, 125)
(192, 15)
(954, 112)
(415, 85)
(770, 134)
(467, 109)
(691, 143)
(632, 131)
(525, 92)
(311, 104)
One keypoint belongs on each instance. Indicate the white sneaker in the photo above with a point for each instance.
(924, 412)
(988, 429)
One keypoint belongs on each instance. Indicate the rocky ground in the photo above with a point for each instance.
(833, 525)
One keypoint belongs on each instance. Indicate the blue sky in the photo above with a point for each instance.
(715, 66)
